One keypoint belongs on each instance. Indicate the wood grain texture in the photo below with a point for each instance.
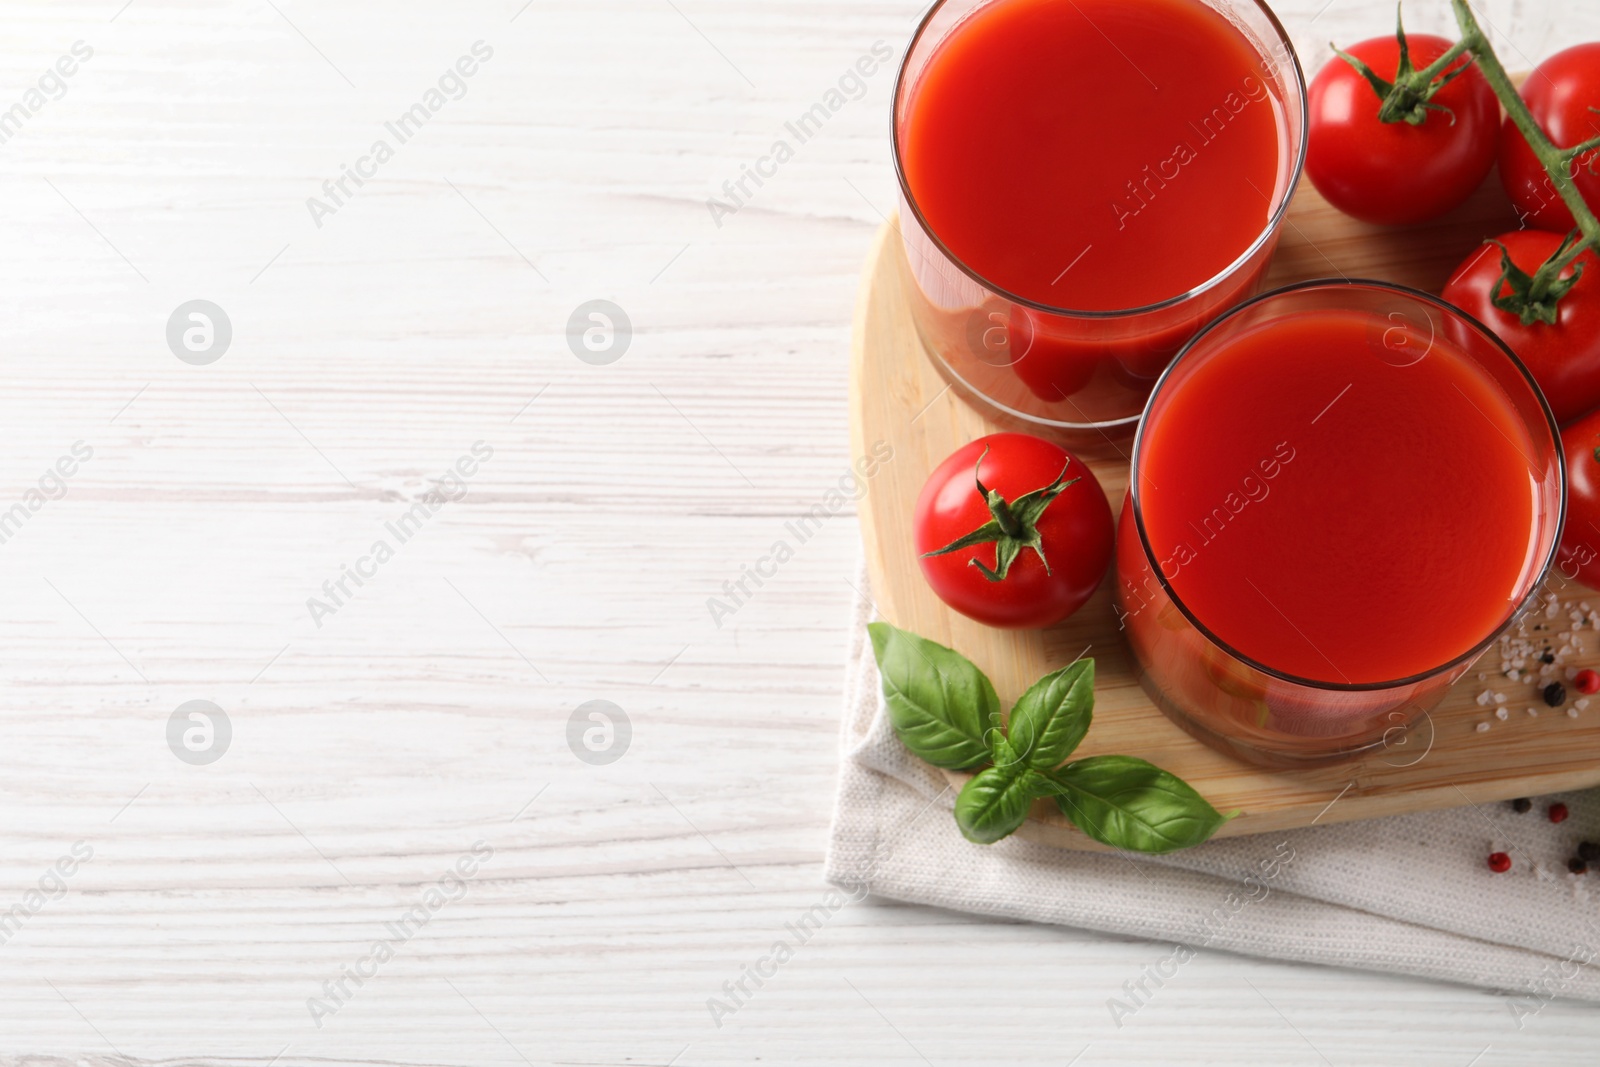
(369, 753)
(899, 397)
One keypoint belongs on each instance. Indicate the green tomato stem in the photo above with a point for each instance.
(1409, 98)
(1012, 526)
(1442, 64)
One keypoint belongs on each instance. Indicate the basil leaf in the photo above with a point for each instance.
(942, 706)
(995, 803)
(1004, 756)
(1127, 803)
(1050, 719)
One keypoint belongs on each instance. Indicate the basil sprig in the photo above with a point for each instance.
(944, 709)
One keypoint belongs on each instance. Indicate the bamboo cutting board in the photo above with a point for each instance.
(898, 397)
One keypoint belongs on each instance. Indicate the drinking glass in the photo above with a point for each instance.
(1077, 373)
(1249, 708)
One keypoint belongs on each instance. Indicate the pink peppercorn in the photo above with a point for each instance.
(1499, 862)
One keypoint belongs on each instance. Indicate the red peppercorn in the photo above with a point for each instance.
(1558, 812)
(1499, 862)
(1587, 681)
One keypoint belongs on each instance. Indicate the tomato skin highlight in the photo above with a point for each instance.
(1565, 358)
(1559, 93)
(1397, 174)
(1579, 556)
(1076, 530)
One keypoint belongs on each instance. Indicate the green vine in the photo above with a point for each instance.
(1408, 99)
(1558, 163)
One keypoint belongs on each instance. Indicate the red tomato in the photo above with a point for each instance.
(1054, 372)
(1579, 556)
(1565, 358)
(1396, 173)
(1559, 92)
(1059, 540)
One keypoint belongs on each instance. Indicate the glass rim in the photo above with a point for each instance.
(1266, 234)
(1477, 649)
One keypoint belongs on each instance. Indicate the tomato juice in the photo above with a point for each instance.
(1342, 492)
(1336, 516)
(1084, 159)
(1097, 155)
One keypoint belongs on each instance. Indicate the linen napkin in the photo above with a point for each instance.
(1408, 894)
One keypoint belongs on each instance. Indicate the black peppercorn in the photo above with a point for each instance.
(1577, 866)
(1548, 657)
(1555, 694)
(1522, 805)
(1589, 851)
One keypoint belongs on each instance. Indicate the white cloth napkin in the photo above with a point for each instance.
(1409, 894)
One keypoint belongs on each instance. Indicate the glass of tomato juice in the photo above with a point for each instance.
(1083, 185)
(1342, 492)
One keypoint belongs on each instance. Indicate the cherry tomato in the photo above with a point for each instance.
(1565, 358)
(1396, 173)
(1579, 556)
(1052, 370)
(1559, 92)
(1013, 531)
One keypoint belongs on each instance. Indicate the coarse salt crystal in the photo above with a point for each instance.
(1501, 713)
(1499, 698)
(1483, 727)
(1582, 703)
(1484, 698)
(1572, 713)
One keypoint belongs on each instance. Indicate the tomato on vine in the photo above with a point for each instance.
(1579, 556)
(1549, 318)
(1562, 94)
(1390, 142)
(1013, 531)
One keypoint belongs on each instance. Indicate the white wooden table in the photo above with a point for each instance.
(426, 709)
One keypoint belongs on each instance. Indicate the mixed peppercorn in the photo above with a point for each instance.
(1588, 851)
(1538, 650)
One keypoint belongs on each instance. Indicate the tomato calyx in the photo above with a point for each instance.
(1534, 297)
(1409, 97)
(1012, 527)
